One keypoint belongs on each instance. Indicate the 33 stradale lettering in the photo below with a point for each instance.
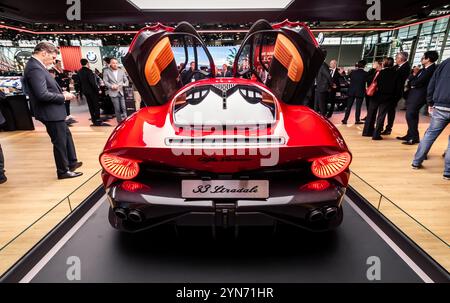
(220, 189)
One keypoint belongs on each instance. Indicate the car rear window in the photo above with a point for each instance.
(224, 104)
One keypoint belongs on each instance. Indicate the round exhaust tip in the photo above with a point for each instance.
(135, 216)
(330, 212)
(315, 215)
(120, 213)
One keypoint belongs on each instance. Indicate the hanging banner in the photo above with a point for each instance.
(71, 56)
(93, 55)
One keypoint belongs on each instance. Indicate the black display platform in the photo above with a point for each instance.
(256, 255)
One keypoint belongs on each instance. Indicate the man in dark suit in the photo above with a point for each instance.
(403, 69)
(417, 96)
(47, 100)
(335, 86)
(356, 91)
(90, 90)
(323, 87)
(225, 71)
(63, 81)
(3, 178)
(186, 75)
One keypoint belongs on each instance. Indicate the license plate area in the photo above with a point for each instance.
(223, 189)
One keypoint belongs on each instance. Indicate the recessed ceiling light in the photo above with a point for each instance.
(229, 5)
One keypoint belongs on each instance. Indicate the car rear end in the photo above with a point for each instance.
(305, 191)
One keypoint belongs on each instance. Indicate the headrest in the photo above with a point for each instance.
(160, 57)
(287, 54)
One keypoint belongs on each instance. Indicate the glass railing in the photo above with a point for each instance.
(18, 246)
(428, 240)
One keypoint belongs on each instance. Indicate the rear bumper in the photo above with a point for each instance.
(161, 203)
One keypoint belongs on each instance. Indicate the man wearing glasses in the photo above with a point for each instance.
(47, 101)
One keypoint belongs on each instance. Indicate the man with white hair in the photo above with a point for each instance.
(403, 69)
(335, 86)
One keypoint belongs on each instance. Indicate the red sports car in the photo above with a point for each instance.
(225, 148)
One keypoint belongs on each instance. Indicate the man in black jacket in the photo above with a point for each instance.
(356, 91)
(90, 90)
(3, 178)
(388, 84)
(323, 87)
(47, 100)
(63, 81)
(438, 98)
(2, 159)
(403, 69)
(417, 96)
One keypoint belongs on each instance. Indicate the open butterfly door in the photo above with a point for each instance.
(154, 58)
(285, 57)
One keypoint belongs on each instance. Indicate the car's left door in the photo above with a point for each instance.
(159, 58)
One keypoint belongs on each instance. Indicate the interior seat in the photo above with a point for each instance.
(161, 72)
(286, 69)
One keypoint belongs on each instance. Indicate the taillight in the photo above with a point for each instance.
(318, 185)
(134, 187)
(330, 166)
(119, 167)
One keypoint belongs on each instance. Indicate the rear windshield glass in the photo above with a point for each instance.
(224, 104)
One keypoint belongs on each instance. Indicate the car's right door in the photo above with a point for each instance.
(285, 57)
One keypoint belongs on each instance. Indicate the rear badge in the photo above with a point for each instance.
(250, 189)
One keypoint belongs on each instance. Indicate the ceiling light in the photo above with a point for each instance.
(208, 5)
